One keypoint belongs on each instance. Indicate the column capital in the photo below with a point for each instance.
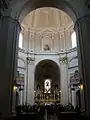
(30, 60)
(64, 59)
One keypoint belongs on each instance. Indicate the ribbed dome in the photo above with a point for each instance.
(47, 27)
(47, 17)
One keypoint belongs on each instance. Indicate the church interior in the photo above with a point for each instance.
(47, 69)
(45, 58)
(47, 52)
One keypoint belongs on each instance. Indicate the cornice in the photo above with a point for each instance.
(51, 30)
(53, 53)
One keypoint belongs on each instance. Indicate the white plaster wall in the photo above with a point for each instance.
(25, 39)
(53, 57)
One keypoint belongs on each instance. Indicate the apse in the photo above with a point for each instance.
(47, 77)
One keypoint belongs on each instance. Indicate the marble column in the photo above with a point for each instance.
(82, 28)
(9, 33)
(64, 80)
(21, 95)
(30, 89)
(74, 98)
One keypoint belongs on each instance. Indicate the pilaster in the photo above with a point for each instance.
(9, 33)
(82, 28)
(64, 79)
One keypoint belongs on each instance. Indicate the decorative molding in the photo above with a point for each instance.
(30, 59)
(72, 50)
(22, 50)
(75, 79)
(76, 66)
(48, 53)
(76, 57)
(52, 30)
(21, 67)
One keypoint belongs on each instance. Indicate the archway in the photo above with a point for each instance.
(47, 71)
(21, 9)
(62, 5)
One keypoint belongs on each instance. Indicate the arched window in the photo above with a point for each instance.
(20, 40)
(73, 40)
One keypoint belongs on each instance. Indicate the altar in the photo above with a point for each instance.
(48, 95)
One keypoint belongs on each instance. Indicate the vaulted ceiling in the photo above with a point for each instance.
(47, 17)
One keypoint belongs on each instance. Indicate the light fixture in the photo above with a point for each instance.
(81, 87)
(14, 88)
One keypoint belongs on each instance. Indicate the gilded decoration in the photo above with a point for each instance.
(64, 59)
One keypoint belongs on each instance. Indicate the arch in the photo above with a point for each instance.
(42, 72)
(50, 60)
(46, 58)
(59, 4)
(21, 9)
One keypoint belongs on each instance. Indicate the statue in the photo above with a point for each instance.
(46, 48)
